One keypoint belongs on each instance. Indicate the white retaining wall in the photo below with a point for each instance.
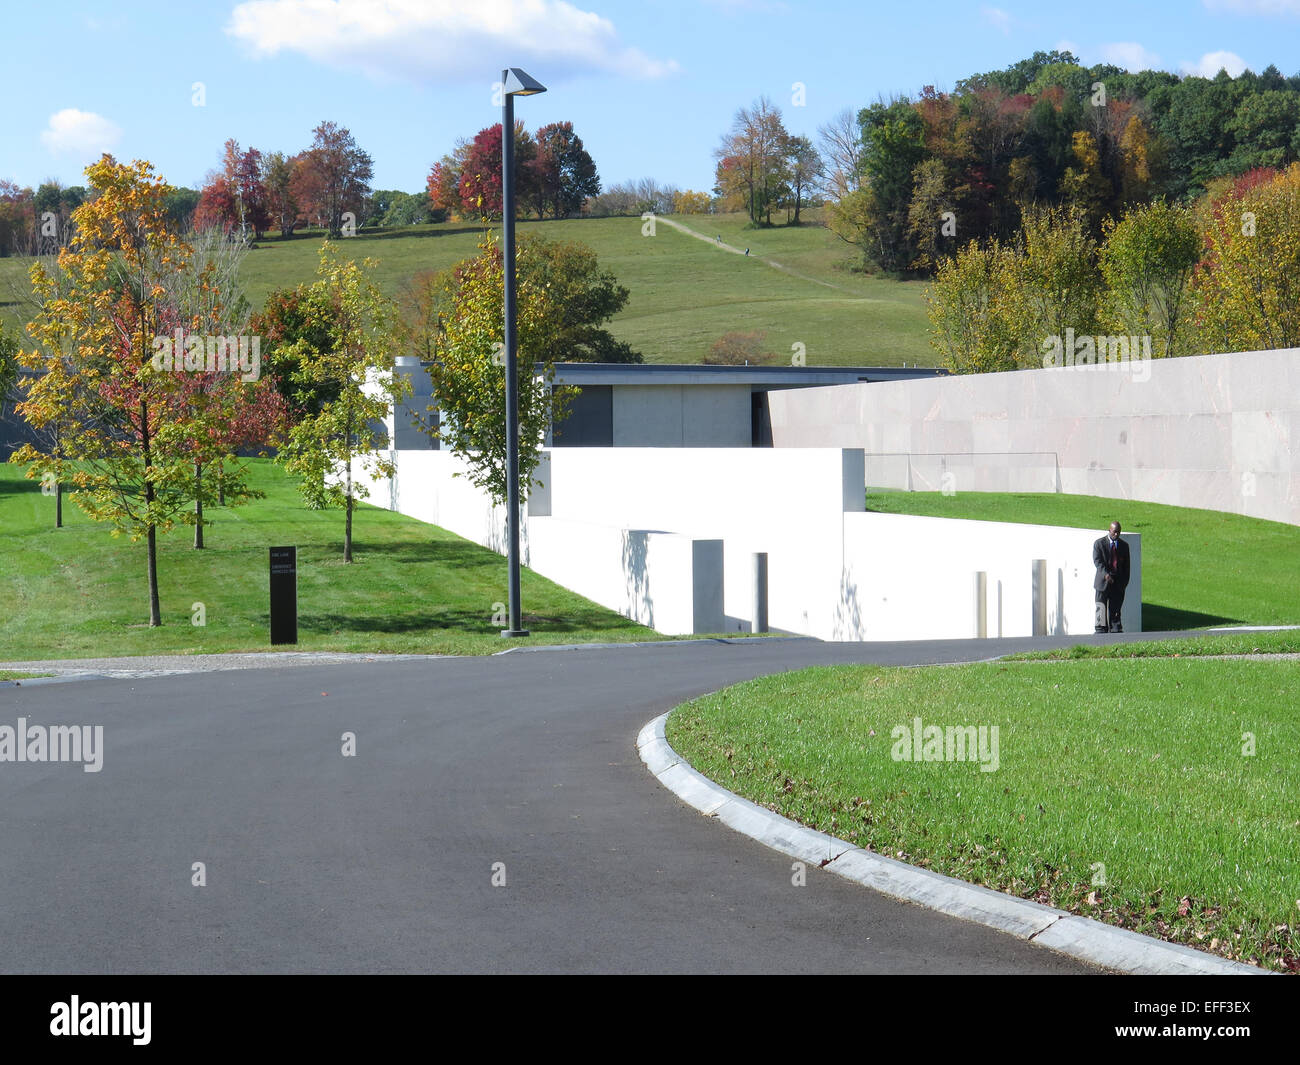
(666, 535)
(1219, 432)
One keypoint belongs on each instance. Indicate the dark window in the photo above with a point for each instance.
(591, 419)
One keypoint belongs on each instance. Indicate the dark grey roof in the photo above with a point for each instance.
(591, 373)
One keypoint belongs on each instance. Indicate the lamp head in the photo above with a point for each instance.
(516, 82)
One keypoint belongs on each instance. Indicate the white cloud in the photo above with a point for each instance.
(1255, 7)
(1130, 55)
(439, 40)
(1209, 65)
(79, 132)
(997, 18)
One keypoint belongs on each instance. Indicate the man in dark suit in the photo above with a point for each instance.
(1110, 557)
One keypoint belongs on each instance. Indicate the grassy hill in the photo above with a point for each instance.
(685, 292)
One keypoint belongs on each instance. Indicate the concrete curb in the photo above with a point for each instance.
(1046, 926)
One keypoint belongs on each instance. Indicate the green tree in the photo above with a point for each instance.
(9, 348)
(1147, 261)
(1060, 285)
(804, 169)
(354, 366)
(583, 297)
(976, 316)
(468, 374)
(893, 138)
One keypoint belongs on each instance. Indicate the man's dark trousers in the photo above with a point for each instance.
(1111, 561)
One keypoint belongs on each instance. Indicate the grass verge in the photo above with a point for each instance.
(1155, 795)
(1228, 643)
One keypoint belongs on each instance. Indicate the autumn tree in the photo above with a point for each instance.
(479, 189)
(228, 403)
(1084, 184)
(17, 220)
(444, 180)
(332, 177)
(1248, 283)
(96, 337)
(752, 160)
(235, 197)
(689, 201)
(354, 364)
(931, 222)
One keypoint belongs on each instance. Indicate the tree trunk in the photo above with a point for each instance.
(155, 611)
(347, 532)
(198, 505)
(58, 504)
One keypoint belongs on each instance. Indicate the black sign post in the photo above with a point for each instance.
(284, 595)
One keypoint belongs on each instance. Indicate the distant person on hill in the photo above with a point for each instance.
(1110, 557)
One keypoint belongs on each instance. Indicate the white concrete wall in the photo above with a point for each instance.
(663, 579)
(908, 578)
(1214, 431)
(666, 536)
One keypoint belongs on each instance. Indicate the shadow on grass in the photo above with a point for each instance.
(446, 552)
(1157, 618)
(8, 487)
(465, 622)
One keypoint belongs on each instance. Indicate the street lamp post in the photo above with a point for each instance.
(514, 82)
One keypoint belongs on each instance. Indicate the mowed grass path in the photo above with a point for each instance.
(1143, 767)
(1200, 568)
(684, 294)
(78, 592)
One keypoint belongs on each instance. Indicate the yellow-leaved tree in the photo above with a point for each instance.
(1248, 283)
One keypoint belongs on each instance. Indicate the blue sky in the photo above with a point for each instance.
(649, 84)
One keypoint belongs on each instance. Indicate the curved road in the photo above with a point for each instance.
(383, 862)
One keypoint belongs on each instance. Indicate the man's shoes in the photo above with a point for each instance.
(1118, 628)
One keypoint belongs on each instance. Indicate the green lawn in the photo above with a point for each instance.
(1286, 641)
(78, 592)
(684, 293)
(1137, 765)
(1200, 568)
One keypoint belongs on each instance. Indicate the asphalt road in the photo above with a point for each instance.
(383, 862)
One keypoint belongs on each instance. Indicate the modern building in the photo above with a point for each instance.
(661, 405)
